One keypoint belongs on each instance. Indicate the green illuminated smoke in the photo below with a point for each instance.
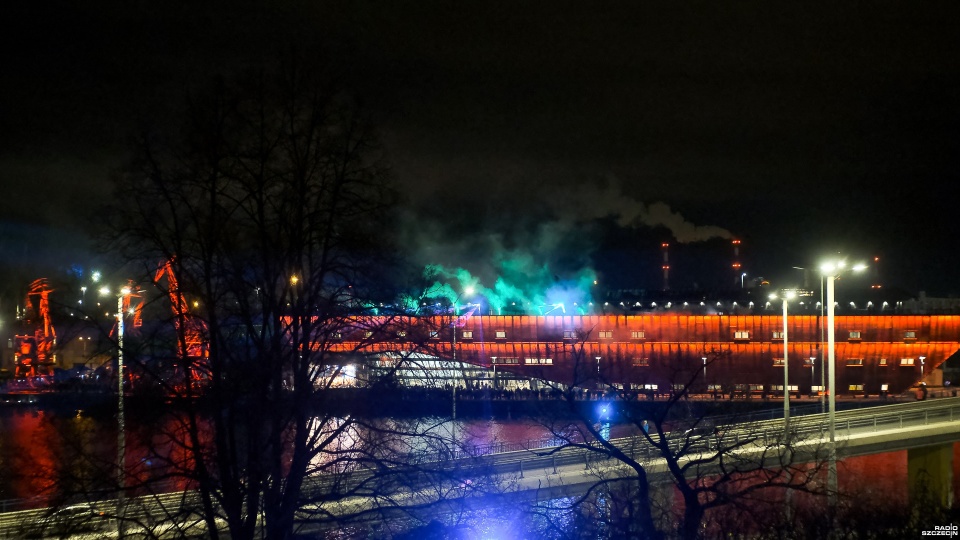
(523, 286)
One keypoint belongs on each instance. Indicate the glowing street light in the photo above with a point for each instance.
(787, 295)
(124, 293)
(831, 271)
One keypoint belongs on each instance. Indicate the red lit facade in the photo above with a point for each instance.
(874, 354)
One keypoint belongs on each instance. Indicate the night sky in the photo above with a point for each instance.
(558, 133)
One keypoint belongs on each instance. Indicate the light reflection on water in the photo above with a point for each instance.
(45, 451)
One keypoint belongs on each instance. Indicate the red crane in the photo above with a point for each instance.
(192, 329)
(33, 351)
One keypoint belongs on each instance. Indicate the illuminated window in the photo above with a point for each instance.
(741, 334)
(337, 335)
(638, 334)
(501, 334)
(777, 334)
(467, 334)
(434, 334)
(650, 387)
(678, 387)
(778, 362)
(910, 334)
(511, 361)
(854, 362)
(883, 362)
(816, 388)
(368, 334)
(641, 362)
(906, 361)
(401, 334)
(756, 388)
(884, 387)
(854, 334)
(606, 334)
(856, 388)
(808, 362)
(569, 334)
(714, 387)
(779, 388)
(538, 361)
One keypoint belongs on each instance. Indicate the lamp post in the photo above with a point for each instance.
(707, 385)
(468, 290)
(820, 348)
(813, 371)
(831, 271)
(121, 419)
(787, 295)
(742, 276)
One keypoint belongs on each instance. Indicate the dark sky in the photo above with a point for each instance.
(514, 129)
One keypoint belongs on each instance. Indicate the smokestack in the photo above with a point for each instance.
(738, 275)
(666, 265)
(876, 274)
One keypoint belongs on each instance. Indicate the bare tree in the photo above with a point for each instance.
(273, 209)
(677, 447)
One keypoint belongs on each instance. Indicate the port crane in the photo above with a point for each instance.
(190, 329)
(34, 352)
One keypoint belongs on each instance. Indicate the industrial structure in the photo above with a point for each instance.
(721, 354)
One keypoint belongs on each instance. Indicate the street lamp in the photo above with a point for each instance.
(704, 359)
(125, 292)
(831, 271)
(820, 346)
(742, 276)
(813, 371)
(922, 359)
(787, 295)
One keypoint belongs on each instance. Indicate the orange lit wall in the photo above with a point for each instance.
(639, 350)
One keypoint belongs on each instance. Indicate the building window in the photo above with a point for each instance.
(741, 334)
(509, 361)
(368, 334)
(756, 388)
(569, 334)
(606, 334)
(808, 362)
(884, 387)
(434, 334)
(401, 333)
(817, 388)
(650, 387)
(714, 388)
(854, 334)
(856, 388)
(854, 362)
(638, 334)
(467, 334)
(778, 362)
(337, 335)
(538, 361)
(777, 334)
(501, 334)
(641, 362)
(779, 388)
(910, 334)
(906, 361)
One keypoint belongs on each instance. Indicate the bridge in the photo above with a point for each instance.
(927, 430)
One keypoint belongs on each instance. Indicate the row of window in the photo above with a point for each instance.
(636, 334)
